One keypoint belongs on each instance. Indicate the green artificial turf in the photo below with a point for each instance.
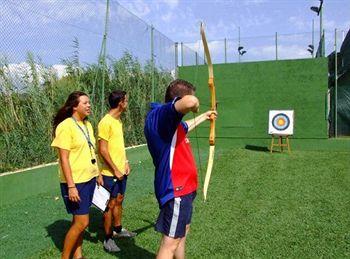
(259, 205)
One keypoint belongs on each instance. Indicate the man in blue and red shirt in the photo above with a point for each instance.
(176, 178)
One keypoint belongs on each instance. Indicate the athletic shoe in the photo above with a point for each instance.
(124, 233)
(110, 246)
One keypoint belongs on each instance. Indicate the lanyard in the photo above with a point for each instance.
(87, 137)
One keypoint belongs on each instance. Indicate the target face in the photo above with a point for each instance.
(281, 122)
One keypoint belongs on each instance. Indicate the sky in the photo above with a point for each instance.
(180, 19)
(48, 28)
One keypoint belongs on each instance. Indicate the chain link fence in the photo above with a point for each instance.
(54, 30)
(262, 48)
(51, 48)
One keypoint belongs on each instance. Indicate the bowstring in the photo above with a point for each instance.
(195, 123)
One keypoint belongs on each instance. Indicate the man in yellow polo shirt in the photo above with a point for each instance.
(114, 167)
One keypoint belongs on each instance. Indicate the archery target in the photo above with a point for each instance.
(281, 122)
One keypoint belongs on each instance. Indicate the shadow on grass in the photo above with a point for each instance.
(127, 245)
(57, 231)
(257, 148)
(129, 249)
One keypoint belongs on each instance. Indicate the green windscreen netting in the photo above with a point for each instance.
(339, 113)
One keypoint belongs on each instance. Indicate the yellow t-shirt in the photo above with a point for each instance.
(69, 137)
(111, 130)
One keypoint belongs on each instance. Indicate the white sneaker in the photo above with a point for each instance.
(124, 233)
(111, 246)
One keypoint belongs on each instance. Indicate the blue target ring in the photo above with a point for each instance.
(280, 121)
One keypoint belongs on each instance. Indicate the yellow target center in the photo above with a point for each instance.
(280, 122)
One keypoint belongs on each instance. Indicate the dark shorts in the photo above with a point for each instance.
(175, 215)
(115, 186)
(86, 192)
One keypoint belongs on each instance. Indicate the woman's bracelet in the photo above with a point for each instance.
(72, 187)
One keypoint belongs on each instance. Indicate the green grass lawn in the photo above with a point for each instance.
(259, 205)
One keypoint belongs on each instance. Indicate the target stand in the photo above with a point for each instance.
(280, 142)
(281, 124)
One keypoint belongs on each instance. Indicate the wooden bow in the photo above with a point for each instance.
(212, 117)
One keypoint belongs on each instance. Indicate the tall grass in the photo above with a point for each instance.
(30, 99)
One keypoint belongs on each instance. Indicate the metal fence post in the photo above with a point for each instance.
(225, 51)
(335, 85)
(176, 59)
(276, 44)
(102, 62)
(323, 44)
(152, 62)
(321, 40)
(182, 54)
(239, 44)
(313, 38)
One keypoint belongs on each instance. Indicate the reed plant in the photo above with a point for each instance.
(29, 100)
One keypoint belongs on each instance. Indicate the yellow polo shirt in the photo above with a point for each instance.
(69, 137)
(111, 130)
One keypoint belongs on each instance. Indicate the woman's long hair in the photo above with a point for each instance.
(66, 110)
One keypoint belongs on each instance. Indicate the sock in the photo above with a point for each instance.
(108, 237)
(117, 229)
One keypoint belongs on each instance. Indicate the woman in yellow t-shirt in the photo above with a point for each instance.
(75, 143)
